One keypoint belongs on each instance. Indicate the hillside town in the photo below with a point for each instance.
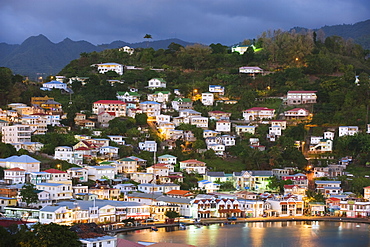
(100, 186)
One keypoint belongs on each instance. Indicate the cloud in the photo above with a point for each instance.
(202, 21)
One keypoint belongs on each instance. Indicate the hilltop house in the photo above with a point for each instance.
(301, 97)
(157, 83)
(105, 67)
(258, 113)
(116, 106)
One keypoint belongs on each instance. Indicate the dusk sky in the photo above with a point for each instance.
(218, 21)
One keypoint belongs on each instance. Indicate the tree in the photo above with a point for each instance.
(147, 36)
(172, 214)
(51, 235)
(29, 194)
(277, 184)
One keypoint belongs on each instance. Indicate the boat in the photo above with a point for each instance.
(182, 226)
(153, 228)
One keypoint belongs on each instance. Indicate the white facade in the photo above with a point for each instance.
(105, 67)
(241, 129)
(57, 191)
(16, 133)
(24, 162)
(100, 172)
(207, 98)
(223, 126)
(167, 159)
(348, 130)
(275, 130)
(216, 89)
(117, 139)
(15, 175)
(200, 122)
(79, 173)
(193, 166)
(258, 113)
(157, 83)
(55, 84)
(116, 106)
(103, 241)
(250, 70)
(150, 146)
(151, 108)
(66, 153)
(301, 97)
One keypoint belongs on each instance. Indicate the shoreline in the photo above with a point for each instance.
(247, 220)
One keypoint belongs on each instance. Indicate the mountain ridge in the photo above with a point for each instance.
(38, 55)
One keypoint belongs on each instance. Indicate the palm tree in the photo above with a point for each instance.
(147, 36)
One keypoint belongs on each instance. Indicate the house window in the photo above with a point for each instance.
(284, 209)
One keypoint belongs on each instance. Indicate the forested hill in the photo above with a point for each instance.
(359, 32)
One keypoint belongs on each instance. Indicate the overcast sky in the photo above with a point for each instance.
(203, 21)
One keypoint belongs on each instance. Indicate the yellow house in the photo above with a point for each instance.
(6, 202)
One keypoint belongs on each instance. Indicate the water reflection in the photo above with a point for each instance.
(286, 234)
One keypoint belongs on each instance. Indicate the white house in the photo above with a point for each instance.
(117, 139)
(128, 96)
(159, 96)
(100, 172)
(157, 83)
(102, 241)
(125, 188)
(241, 129)
(223, 126)
(329, 135)
(24, 162)
(15, 175)
(164, 188)
(216, 89)
(275, 130)
(17, 133)
(151, 108)
(207, 98)
(127, 49)
(297, 113)
(116, 106)
(193, 165)
(79, 173)
(301, 97)
(179, 104)
(150, 146)
(200, 122)
(218, 148)
(241, 49)
(324, 145)
(105, 67)
(167, 159)
(210, 133)
(258, 113)
(208, 186)
(54, 84)
(162, 119)
(57, 191)
(68, 154)
(250, 70)
(348, 130)
(109, 151)
(228, 140)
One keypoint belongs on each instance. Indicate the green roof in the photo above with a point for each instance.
(182, 99)
(129, 93)
(160, 79)
(105, 163)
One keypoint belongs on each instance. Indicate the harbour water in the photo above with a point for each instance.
(282, 234)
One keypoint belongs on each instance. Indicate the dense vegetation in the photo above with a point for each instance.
(295, 61)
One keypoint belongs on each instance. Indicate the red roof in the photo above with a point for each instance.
(297, 109)
(178, 192)
(52, 170)
(192, 162)
(7, 223)
(15, 169)
(333, 199)
(82, 148)
(110, 102)
(110, 113)
(259, 109)
(159, 165)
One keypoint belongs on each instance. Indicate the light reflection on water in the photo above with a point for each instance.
(283, 234)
